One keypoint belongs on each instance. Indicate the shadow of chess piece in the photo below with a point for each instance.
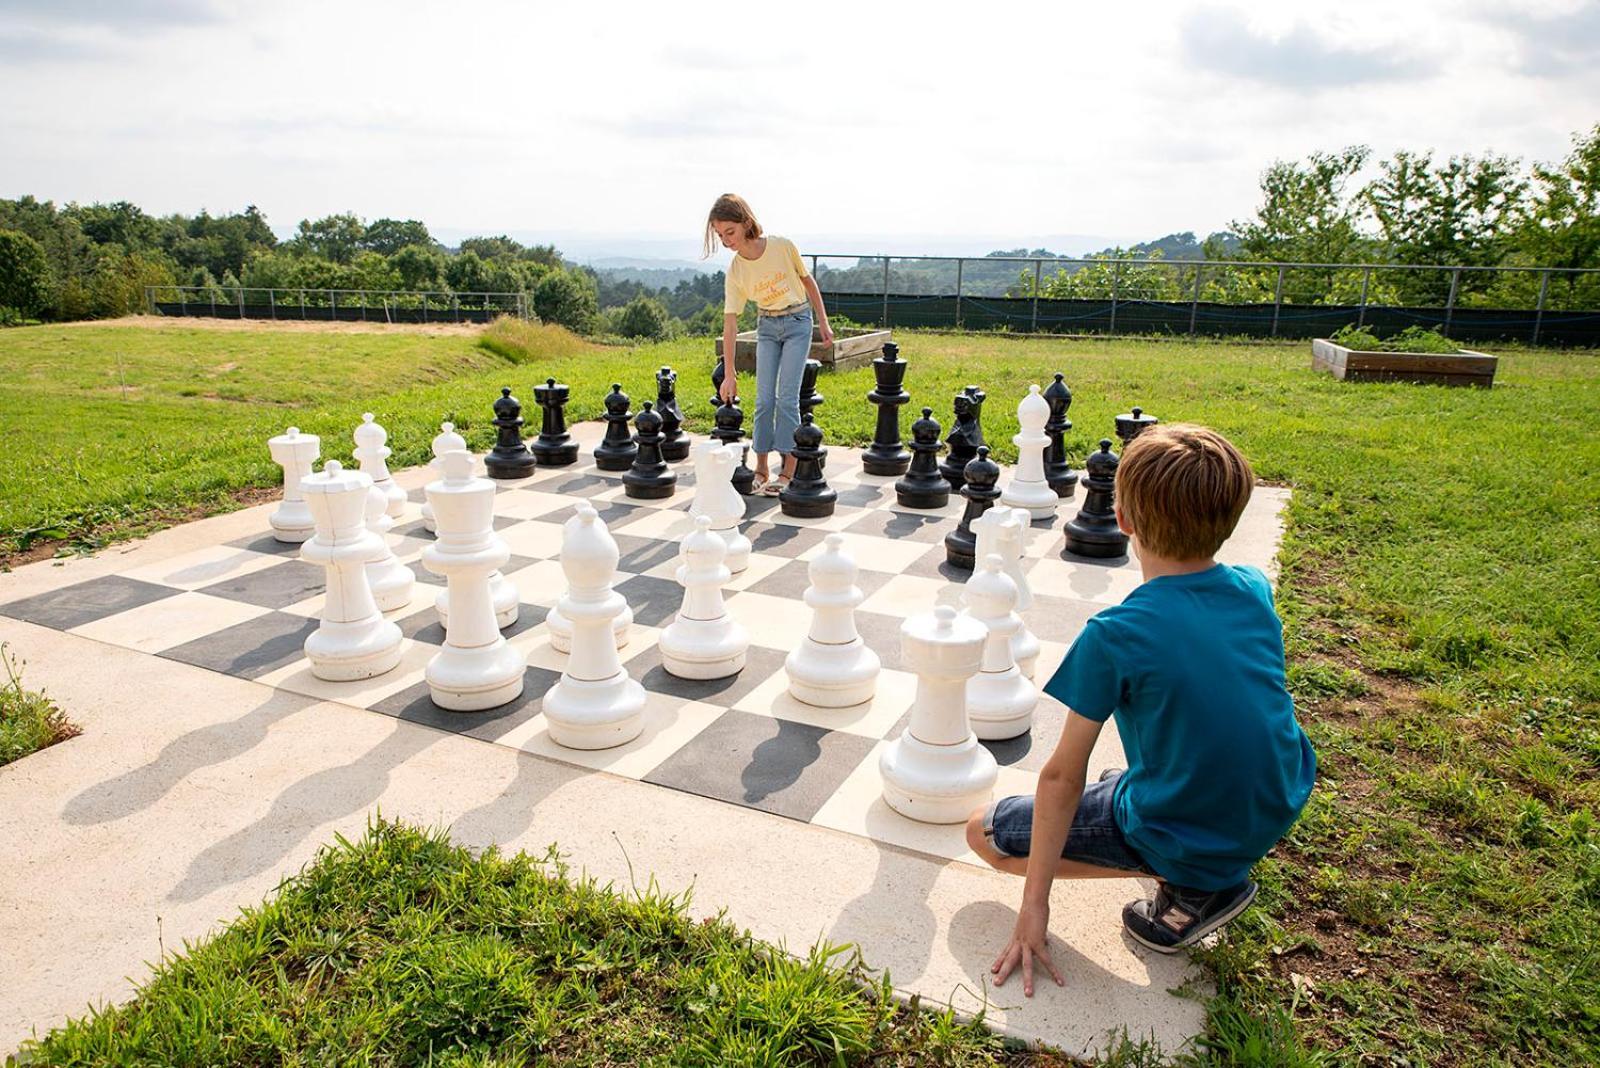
(965, 436)
(649, 478)
(554, 447)
(509, 458)
(808, 496)
(617, 449)
(810, 399)
(1058, 474)
(674, 442)
(886, 456)
(923, 486)
(1131, 424)
(728, 428)
(978, 487)
(1093, 531)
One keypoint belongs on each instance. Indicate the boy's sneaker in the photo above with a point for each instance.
(1179, 917)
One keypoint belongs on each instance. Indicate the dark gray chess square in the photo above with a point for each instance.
(573, 483)
(265, 543)
(792, 579)
(272, 587)
(639, 555)
(653, 600)
(760, 665)
(250, 649)
(85, 602)
(610, 512)
(757, 504)
(781, 539)
(415, 529)
(415, 705)
(903, 526)
(864, 496)
(424, 626)
(789, 769)
(935, 564)
(882, 635)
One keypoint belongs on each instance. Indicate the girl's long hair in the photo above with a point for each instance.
(730, 207)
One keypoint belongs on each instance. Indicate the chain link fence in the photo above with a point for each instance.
(334, 305)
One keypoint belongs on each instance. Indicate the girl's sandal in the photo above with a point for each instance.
(777, 486)
(758, 484)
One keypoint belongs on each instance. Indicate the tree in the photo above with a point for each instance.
(467, 273)
(335, 237)
(25, 282)
(644, 317)
(1306, 216)
(1562, 226)
(490, 247)
(420, 267)
(388, 236)
(121, 223)
(567, 298)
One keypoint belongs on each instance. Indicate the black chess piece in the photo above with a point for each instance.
(810, 399)
(808, 495)
(674, 442)
(728, 424)
(1093, 532)
(980, 489)
(649, 478)
(509, 458)
(617, 449)
(554, 447)
(886, 456)
(1058, 474)
(966, 436)
(1131, 424)
(923, 486)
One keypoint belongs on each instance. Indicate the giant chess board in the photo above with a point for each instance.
(244, 607)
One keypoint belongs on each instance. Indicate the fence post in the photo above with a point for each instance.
(1366, 280)
(183, 300)
(455, 305)
(1116, 285)
(1538, 311)
(363, 305)
(213, 302)
(1037, 266)
(960, 263)
(302, 304)
(241, 302)
(1194, 305)
(333, 305)
(424, 297)
(1277, 301)
(272, 302)
(1450, 301)
(886, 292)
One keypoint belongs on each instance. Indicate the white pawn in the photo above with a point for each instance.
(447, 441)
(936, 771)
(373, 455)
(353, 641)
(595, 705)
(1000, 699)
(715, 496)
(1004, 532)
(295, 452)
(832, 667)
(392, 582)
(1028, 488)
(476, 668)
(703, 641)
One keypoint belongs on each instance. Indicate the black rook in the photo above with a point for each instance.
(554, 447)
(1131, 424)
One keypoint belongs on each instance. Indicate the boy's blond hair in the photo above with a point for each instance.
(1182, 489)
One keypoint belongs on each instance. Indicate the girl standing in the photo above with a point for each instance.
(769, 271)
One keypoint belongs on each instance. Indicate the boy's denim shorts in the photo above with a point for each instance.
(1094, 838)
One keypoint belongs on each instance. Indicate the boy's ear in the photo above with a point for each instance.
(1122, 523)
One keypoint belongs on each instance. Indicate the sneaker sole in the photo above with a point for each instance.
(1199, 932)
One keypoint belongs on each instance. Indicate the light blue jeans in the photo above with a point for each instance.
(782, 344)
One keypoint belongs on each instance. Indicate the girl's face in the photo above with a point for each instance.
(731, 233)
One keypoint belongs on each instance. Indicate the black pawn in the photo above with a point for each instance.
(886, 456)
(727, 427)
(1131, 424)
(810, 399)
(649, 477)
(554, 447)
(808, 496)
(509, 458)
(1057, 472)
(617, 449)
(674, 442)
(966, 436)
(924, 486)
(1093, 531)
(980, 490)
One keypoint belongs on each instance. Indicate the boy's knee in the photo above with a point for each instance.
(977, 841)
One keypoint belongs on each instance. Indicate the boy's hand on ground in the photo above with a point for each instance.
(1029, 943)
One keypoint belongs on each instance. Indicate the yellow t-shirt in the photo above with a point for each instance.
(774, 281)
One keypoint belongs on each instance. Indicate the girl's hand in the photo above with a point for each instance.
(729, 390)
(1029, 943)
(827, 334)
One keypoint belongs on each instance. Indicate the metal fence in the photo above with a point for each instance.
(330, 305)
(1217, 297)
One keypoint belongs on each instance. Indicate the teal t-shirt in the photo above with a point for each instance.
(1218, 767)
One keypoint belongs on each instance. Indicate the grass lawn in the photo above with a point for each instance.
(1439, 901)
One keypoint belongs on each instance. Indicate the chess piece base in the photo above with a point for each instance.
(738, 557)
(1037, 497)
(937, 783)
(808, 507)
(554, 455)
(502, 594)
(598, 714)
(471, 680)
(649, 488)
(676, 450)
(887, 462)
(392, 584)
(516, 467)
(620, 460)
(961, 551)
(345, 652)
(917, 497)
(1025, 651)
(703, 648)
(289, 534)
(1000, 704)
(1065, 486)
(1096, 544)
(832, 676)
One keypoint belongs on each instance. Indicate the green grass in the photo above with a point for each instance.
(29, 721)
(1439, 902)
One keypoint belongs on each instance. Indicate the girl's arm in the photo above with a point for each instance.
(730, 337)
(822, 313)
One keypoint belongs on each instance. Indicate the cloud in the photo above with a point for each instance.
(20, 45)
(1552, 43)
(1303, 59)
(114, 14)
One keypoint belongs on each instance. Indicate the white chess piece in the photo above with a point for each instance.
(503, 596)
(476, 668)
(446, 441)
(295, 452)
(715, 496)
(373, 455)
(1004, 532)
(832, 667)
(392, 582)
(595, 705)
(936, 771)
(557, 625)
(703, 641)
(353, 641)
(1000, 699)
(1028, 488)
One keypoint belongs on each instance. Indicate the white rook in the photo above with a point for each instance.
(295, 452)
(832, 667)
(446, 441)
(353, 641)
(1004, 532)
(704, 641)
(936, 771)
(373, 455)
(1000, 700)
(475, 669)
(1028, 488)
(595, 705)
(714, 496)
(392, 582)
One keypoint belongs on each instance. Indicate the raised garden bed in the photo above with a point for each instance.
(1461, 368)
(849, 348)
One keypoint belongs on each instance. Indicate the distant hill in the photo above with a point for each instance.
(1181, 246)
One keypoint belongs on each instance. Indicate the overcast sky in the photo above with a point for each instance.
(857, 125)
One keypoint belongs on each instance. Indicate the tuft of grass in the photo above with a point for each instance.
(29, 721)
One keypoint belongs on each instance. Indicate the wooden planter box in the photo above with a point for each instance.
(849, 348)
(1464, 368)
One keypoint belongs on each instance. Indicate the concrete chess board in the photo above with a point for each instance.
(244, 606)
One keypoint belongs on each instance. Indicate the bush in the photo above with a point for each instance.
(568, 299)
(25, 282)
(1411, 339)
(644, 317)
